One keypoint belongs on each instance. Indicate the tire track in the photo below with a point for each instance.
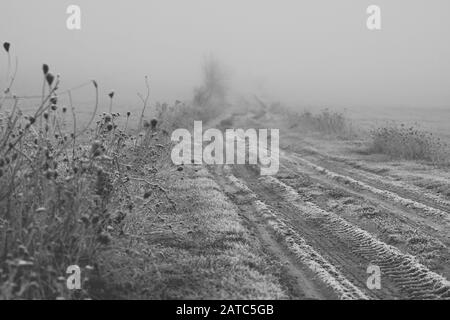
(298, 246)
(409, 203)
(347, 167)
(403, 276)
(413, 279)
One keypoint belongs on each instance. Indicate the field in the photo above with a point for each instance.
(337, 207)
(95, 187)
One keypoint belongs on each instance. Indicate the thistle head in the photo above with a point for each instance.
(6, 46)
(50, 78)
(154, 123)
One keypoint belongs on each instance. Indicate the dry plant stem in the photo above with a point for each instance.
(9, 86)
(74, 138)
(42, 108)
(11, 124)
(43, 94)
(88, 124)
(155, 185)
(9, 65)
(93, 113)
(126, 125)
(145, 101)
(25, 156)
(38, 113)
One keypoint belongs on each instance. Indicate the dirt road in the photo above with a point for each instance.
(327, 220)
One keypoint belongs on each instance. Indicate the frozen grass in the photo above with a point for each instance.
(84, 192)
(326, 122)
(66, 185)
(410, 143)
(199, 250)
(56, 185)
(398, 141)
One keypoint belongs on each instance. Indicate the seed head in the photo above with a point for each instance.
(49, 77)
(85, 219)
(104, 238)
(45, 68)
(111, 94)
(97, 153)
(95, 219)
(49, 174)
(6, 46)
(153, 123)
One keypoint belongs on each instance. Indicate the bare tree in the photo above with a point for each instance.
(213, 92)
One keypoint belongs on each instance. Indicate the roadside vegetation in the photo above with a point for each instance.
(410, 143)
(326, 122)
(104, 195)
(397, 141)
(57, 181)
(189, 245)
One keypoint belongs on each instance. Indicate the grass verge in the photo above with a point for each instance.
(190, 245)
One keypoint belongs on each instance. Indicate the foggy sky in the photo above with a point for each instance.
(302, 52)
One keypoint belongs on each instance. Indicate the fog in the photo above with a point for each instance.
(302, 52)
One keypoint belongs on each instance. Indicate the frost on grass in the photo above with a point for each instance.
(200, 250)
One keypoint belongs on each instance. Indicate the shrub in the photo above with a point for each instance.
(408, 143)
(211, 96)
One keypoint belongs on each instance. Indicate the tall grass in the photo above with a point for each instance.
(409, 142)
(326, 122)
(57, 183)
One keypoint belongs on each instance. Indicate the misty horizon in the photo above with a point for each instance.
(304, 54)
